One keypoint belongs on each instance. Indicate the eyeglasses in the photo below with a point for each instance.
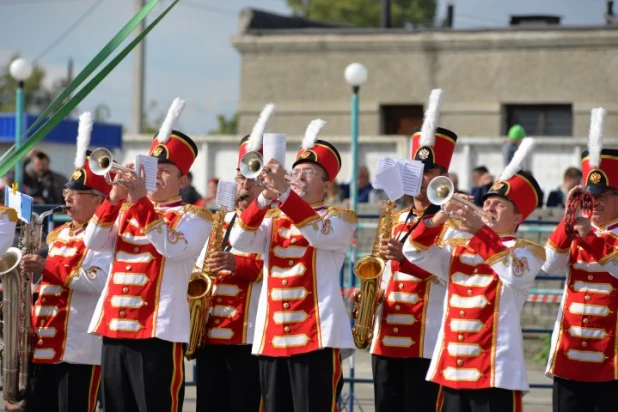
(72, 193)
(296, 173)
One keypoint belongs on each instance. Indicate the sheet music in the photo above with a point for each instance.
(150, 169)
(388, 177)
(412, 176)
(226, 195)
(274, 147)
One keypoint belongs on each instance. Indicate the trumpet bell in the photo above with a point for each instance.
(100, 161)
(440, 190)
(251, 165)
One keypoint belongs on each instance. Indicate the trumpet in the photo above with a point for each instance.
(101, 163)
(252, 166)
(441, 190)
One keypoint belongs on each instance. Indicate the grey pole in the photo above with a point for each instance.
(139, 74)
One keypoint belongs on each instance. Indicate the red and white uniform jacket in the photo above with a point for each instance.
(72, 281)
(584, 346)
(235, 296)
(154, 249)
(489, 277)
(301, 308)
(8, 220)
(408, 318)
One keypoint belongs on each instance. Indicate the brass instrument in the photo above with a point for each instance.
(200, 287)
(369, 269)
(252, 165)
(441, 190)
(101, 162)
(17, 309)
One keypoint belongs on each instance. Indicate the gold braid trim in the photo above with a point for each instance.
(53, 235)
(95, 221)
(534, 248)
(497, 257)
(9, 212)
(245, 226)
(555, 248)
(275, 212)
(125, 206)
(343, 213)
(199, 211)
(455, 241)
(152, 226)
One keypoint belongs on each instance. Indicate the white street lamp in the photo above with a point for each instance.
(20, 70)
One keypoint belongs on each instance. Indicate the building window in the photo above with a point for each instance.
(400, 119)
(541, 119)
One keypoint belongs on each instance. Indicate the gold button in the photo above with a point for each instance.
(145, 303)
(125, 290)
(590, 277)
(397, 307)
(219, 300)
(136, 249)
(401, 286)
(122, 314)
(584, 344)
(587, 297)
(395, 330)
(287, 329)
(469, 292)
(293, 240)
(462, 314)
(286, 305)
(217, 321)
(128, 267)
(40, 341)
(291, 262)
(42, 322)
(43, 300)
(585, 320)
(460, 338)
(459, 362)
(284, 282)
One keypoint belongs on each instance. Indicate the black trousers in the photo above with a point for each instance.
(481, 400)
(228, 379)
(63, 387)
(401, 385)
(310, 382)
(141, 375)
(574, 396)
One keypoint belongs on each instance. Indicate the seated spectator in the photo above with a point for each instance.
(482, 183)
(189, 193)
(515, 136)
(363, 185)
(455, 179)
(44, 185)
(572, 177)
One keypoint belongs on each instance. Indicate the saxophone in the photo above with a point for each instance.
(369, 269)
(200, 287)
(17, 308)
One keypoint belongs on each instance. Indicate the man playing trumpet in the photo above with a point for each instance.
(480, 361)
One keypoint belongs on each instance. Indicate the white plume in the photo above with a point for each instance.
(257, 134)
(524, 148)
(173, 114)
(83, 139)
(595, 137)
(311, 134)
(430, 122)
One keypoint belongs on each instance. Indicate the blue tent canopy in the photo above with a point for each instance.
(103, 134)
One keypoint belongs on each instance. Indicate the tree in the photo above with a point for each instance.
(225, 125)
(366, 13)
(36, 96)
(152, 122)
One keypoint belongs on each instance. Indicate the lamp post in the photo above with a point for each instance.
(20, 70)
(355, 74)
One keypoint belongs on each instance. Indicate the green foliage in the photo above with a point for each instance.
(540, 358)
(366, 13)
(36, 96)
(226, 125)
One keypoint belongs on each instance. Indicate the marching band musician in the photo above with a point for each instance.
(143, 312)
(479, 360)
(302, 327)
(66, 372)
(8, 220)
(227, 372)
(408, 317)
(584, 347)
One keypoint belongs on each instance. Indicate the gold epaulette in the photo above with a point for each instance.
(274, 212)
(341, 212)
(200, 211)
(455, 241)
(536, 249)
(53, 235)
(398, 213)
(9, 212)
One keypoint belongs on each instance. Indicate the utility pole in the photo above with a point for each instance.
(139, 74)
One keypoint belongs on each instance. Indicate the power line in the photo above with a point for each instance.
(69, 30)
(208, 8)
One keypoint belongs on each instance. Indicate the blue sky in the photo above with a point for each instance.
(189, 54)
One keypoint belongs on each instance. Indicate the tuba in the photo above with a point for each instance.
(369, 269)
(199, 291)
(17, 309)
